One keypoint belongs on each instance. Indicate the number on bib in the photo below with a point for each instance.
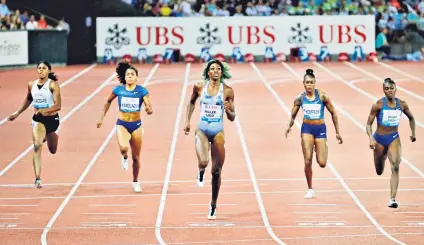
(130, 104)
(312, 111)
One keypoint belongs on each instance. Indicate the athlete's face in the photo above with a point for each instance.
(131, 77)
(309, 84)
(215, 71)
(389, 90)
(43, 71)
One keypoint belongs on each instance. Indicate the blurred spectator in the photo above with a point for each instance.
(381, 43)
(32, 23)
(62, 25)
(4, 10)
(42, 23)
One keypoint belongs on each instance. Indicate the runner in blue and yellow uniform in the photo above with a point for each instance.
(129, 128)
(215, 98)
(385, 141)
(314, 130)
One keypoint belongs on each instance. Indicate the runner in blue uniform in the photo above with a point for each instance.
(314, 130)
(215, 98)
(129, 128)
(386, 141)
(44, 93)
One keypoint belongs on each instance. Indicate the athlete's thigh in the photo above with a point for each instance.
(380, 156)
(202, 146)
(38, 132)
(394, 152)
(307, 146)
(321, 150)
(123, 136)
(218, 149)
(52, 141)
(136, 141)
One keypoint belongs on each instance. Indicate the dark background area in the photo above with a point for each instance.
(81, 44)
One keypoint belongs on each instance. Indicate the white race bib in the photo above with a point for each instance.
(211, 113)
(130, 104)
(40, 101)
(312, 111)
(391, 117)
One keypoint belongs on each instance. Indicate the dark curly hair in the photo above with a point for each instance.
(224, 68)
(122, 68)
(51, 75)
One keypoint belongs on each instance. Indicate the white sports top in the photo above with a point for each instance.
(43, 97)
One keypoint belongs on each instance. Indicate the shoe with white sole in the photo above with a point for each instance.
(200, 179)
(393, 203)
(124, 163)
(212, 211)
(38, 184)
(136, 186)
(310, 194)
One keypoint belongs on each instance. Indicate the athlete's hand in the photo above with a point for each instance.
(99, 123)
(227, 106)
(339, 138)
(187, 128)
(149, 111)
(288, 131)
(372, 143)
(13, 116)
(413, 139)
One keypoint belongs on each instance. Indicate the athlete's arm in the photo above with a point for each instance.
(296, 106)
(330, 107)
(146, 100)
(230, 109)
(373, 113)
(27, 102)
(57, 98)
(191, 105)
(408, 113)
(106, 107)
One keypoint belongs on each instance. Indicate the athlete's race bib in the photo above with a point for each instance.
(312, 111)
(391, 117)
(130, 104)
(211, 113)
(40, 101)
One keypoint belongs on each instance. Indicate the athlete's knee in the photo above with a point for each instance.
(124, 149)
(38, 145)
(216, 171)
(203, 164)
(395, 168)
(308, 163)
(136, 159)
(322, 163)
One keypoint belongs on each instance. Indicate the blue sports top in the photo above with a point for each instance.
(130, 101)
(313, 110)
(212, 107)
(388, 116)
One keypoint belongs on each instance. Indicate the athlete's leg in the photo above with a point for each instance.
(124, 144)
(52, 142)
(394, 153)
(218, 159)
(321, 151)
(136, 142)
(38, 135)
(380, 156)
(202, 146)
(307, 149)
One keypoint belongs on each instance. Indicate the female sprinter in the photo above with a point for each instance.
(129, 127)
(45, 95)
(386, 142)
(215, 96)
(314, 130)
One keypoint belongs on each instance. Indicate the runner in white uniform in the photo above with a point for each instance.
(44, 93)
(215, 98)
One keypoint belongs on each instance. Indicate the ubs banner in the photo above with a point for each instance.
(13, 48)
(118, 36)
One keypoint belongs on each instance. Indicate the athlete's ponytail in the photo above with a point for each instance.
(122, 68)
(53, 76)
